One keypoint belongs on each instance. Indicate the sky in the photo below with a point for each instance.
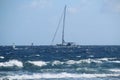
(88, 22)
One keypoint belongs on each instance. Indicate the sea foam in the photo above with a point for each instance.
(89, 61)
(11, 63)
(72, 62)
(58, 75)
(115, 70)
(56, 62)
(2, 57)
(106, 59)
(83, 61)
(38, 63)
(115, 61)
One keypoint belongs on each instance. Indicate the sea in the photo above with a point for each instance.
(60, 63)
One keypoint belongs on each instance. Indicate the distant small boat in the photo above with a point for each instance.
(63, 43)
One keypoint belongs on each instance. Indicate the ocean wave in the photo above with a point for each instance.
(68, 62)
(83, 61)
(106, 59)
(72, 62)
(78, 56)
(115, 70)
(56, 62)
(11, 63)
(37, 55)
(57, 75)
(38, 63)
(99, 61)
(91, 56)
(86, 69)
(2, 57)
(115, 61)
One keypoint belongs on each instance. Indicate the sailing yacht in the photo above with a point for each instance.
(63, 43)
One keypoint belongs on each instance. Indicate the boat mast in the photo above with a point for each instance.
(63, 41)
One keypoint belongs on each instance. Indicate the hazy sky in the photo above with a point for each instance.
(88, 22)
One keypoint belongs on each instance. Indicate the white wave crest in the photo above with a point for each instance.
(57, 62)
(58, 75)
(2, 57)
(71, 62)
(106, 59)
(91, 55)
(78, 56)
(38, 63)
(115, 61)
(114, 70)
(37, 55)
(11, 63)
(83, 61)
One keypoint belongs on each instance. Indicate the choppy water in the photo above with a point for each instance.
(60, 63)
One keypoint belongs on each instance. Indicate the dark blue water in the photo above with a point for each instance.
(60, 63)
